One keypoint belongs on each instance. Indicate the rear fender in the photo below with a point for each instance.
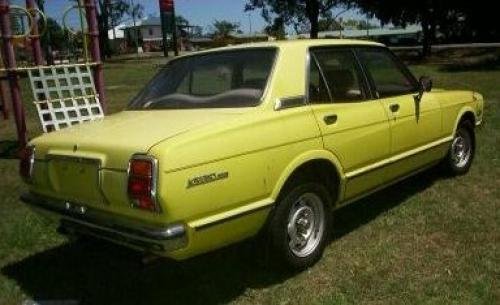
(304, 158)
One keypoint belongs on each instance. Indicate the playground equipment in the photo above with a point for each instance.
(64, 94)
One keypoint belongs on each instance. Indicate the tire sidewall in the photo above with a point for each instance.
(467, 128)
(278, 226)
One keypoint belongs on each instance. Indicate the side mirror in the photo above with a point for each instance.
(425, 85)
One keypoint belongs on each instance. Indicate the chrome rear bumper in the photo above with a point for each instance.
(85, 220)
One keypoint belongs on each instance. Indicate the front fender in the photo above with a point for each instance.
(460, 114)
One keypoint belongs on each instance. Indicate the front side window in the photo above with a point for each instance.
(216, 80)
(388, 76)
(341, 73)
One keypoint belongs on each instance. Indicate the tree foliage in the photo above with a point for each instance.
(181, 21)
(223, 28)
(296, 13)
(59, 37)
(276, 29)
(448, 17)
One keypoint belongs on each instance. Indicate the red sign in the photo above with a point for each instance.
(166, 5)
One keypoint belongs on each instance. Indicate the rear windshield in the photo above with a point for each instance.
(216, 80)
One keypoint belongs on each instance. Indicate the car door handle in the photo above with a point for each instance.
(330, 119)
(394, 107)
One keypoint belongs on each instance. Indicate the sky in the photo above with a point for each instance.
(198, 12)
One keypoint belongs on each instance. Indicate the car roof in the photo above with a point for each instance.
(307, 43)
(297, 43)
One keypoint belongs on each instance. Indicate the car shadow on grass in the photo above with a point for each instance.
(93, 272)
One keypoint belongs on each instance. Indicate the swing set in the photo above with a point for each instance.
(64, 94)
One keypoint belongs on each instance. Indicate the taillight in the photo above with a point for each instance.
(142, 173)
(27, 161)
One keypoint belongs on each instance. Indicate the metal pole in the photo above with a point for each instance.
(35, 36)
(3, 99)
(91, 13)
(84, 36)
(10, 59)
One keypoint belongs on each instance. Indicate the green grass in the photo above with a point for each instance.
(427, 240)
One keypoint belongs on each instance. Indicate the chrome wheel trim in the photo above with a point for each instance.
(461, 149)
(306, 224)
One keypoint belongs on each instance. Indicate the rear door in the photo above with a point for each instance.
(353, 125)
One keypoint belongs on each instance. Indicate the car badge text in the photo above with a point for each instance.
(207, 179)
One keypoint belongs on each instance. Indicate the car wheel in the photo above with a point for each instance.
(300, 224)
(461, 152)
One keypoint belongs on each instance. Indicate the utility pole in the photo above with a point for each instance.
(174, 33)
(168, 24)
(367, 28)
(250, 22)
(341, 26)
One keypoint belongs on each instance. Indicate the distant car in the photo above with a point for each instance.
(261, 138)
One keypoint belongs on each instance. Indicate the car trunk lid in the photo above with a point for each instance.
(87, 163)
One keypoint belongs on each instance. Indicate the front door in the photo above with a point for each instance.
(414, 124)
(354, 127)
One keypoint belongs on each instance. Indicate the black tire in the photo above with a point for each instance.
(459, 158)
(279, 248)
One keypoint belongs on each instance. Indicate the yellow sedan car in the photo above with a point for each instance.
(260, 138)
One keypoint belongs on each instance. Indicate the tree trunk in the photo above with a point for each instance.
(426, 46)
(103, 18)
(312, 11)
(314, 28)
(428, 30)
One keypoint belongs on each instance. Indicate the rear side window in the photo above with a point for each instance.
(388, 75)
(224, 79)
(341, 74)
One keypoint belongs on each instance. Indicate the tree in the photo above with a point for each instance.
(328, 24)
(58, 35)
(455, 20)
(296, 12)
(135, 12)
(223, 28)
(276, 29)
(110, 12)
(180, 21)
(401, 13)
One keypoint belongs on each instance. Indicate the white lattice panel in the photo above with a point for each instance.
(64, 96)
